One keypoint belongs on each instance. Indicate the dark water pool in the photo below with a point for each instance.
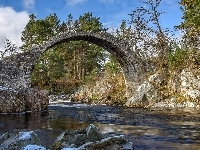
(147, 129)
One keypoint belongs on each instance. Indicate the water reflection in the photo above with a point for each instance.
(155, 129)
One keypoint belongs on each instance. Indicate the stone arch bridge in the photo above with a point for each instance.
(15, 70)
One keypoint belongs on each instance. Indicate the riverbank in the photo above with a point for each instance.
(165, 105)
(180, 89)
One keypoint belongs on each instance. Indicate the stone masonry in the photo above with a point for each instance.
(15, 70)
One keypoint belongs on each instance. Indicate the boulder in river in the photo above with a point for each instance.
(83, 139)
(22, 140)
(32, 99)
(90, 139)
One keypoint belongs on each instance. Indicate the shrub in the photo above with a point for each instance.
(178, 58)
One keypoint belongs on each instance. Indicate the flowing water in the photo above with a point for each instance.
(146, 129)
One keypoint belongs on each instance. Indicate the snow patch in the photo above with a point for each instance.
(60, 137)
(34, 147)
(70, 149)
(5, 88)
(91, 126)
(25, 135)
(100, 142)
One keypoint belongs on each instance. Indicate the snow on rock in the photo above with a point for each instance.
(2, 88)
(34, 147)
(70, 149)
(26, 135)
(90, 138)
(18, 141)
(115, 142)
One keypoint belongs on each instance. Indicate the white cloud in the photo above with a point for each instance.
(74, 2)
(12, 23)
(29, 4)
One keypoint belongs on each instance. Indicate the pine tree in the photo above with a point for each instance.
(191, 23)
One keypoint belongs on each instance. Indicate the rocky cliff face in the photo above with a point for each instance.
(190, 85)
(182, 90)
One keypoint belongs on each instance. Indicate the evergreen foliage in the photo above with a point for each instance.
(191, 22)
(67, 62)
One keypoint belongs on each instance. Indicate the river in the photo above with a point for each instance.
(146, 129)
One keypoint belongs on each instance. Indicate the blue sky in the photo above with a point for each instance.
(14, 13)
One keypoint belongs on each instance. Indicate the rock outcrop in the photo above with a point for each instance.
(147, 93)
(90, 139)
(22, 140)
(12, 101)
(190, 85)
(86, 139)
(182, 90)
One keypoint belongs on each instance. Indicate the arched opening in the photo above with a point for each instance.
(116, 48)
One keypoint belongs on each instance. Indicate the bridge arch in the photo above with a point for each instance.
(117, 47)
